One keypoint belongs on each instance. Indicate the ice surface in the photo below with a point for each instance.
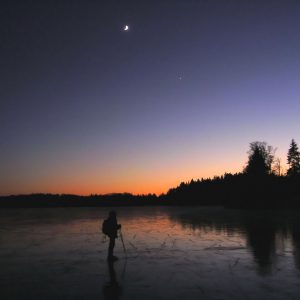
(171, 253)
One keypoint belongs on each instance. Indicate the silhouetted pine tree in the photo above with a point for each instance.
(293, 159)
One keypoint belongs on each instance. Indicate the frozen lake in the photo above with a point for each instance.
(172, 253)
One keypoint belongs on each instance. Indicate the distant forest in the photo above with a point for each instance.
(262, 184)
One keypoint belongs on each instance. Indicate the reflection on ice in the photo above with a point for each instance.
(266, 233)
(112, 289)
(172, 253)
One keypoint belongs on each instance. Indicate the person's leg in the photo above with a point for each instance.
(111, 248)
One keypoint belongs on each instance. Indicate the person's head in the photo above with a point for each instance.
(112, 214)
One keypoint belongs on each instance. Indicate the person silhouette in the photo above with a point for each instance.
(110, 228)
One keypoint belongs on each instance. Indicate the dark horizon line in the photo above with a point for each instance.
(79, 195)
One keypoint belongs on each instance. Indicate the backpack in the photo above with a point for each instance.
(105, 227)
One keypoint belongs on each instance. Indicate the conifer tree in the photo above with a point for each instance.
(293, 159)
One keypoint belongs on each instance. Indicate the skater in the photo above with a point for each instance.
(110, 228)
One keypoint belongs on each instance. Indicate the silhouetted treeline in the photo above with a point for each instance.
(231, 190)
(260, 185)
(239, 190)
(65, 200)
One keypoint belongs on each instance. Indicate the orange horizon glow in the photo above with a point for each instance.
(154, 179)
(137, 183)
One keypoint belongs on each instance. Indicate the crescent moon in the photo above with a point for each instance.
(126, 28)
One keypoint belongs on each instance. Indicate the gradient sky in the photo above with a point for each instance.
(86, 107)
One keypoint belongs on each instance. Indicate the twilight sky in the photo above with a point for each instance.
(86, 107)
